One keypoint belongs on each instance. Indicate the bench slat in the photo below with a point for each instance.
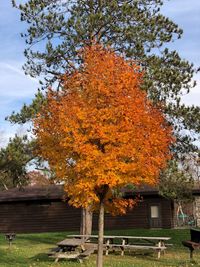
(87, 252)
(136, 246)
(65, 256)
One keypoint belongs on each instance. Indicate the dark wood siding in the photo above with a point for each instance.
(49, 215)
(37, 216)
(139, 216)
(167, 213)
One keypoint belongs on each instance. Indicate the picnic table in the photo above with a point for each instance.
(128, 242)
(71, 248)
(70, 244)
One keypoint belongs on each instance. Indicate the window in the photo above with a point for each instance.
(154, 212)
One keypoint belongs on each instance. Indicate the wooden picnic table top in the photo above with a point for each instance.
(160, 238)
(72, 242)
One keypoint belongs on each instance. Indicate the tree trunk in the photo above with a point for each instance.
(86, 222)
(82, 227)
(101, 233)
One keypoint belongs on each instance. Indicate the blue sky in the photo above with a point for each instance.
(16, 88)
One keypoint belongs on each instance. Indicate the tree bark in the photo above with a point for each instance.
(101, 233)
(82, 227)
(86, 222)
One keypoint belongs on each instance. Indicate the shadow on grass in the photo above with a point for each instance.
(115, 259)
(45, 238)
(149, 258)
(42, 257)
(150, 254)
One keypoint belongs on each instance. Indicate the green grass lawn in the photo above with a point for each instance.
(30, 250)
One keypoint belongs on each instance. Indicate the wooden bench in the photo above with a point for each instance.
(85, 254)
(72, 248)
(128, 243)
(79, 256)
(64, 255)
(135, 247)
(194, 242)
(53, 251)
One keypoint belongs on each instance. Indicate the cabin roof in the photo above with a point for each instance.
(47, 192)
(141, 190)
(56, 192)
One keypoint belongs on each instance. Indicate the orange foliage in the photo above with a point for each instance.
(100, 132)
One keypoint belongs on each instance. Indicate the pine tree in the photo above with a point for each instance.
(13, 162)
(58, 29)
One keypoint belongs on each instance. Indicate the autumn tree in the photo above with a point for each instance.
(138, 29)
(100, 133)
(57, 29)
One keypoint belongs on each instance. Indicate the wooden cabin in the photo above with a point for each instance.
(43, 209)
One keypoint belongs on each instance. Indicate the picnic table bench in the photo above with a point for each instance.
(71, 248)
(128, 242)
(194, 242)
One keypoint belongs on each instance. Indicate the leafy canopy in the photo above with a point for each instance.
(100, 133)
(57, 29)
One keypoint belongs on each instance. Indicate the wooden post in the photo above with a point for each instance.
(107, 246)
(123, 243)
(159, 250)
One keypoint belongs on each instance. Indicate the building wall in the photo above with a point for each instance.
(44, 216)
(30, 217)
(139, 216)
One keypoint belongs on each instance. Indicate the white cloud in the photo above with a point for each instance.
(14, 83)
(18, 71)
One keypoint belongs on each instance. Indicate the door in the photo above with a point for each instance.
(155, 216)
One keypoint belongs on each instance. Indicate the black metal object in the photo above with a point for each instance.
(194, 242)
(10, 237)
